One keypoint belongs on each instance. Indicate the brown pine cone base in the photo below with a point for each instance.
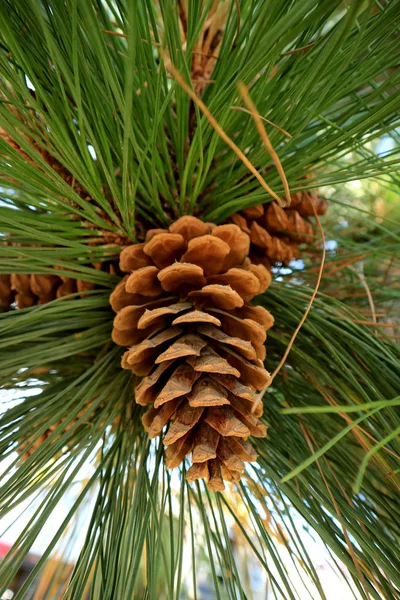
(196, 343)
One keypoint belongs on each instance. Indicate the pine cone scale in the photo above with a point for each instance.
(205, 444)
(179, 384)
(186, 418)
(207, 392)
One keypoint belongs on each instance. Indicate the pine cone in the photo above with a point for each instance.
(62, 171)
(196, 343)
(6, 292)
(25, 451)
(10, 141)
(30, 290)
(208, 43)
(276, 232)
(33, 289)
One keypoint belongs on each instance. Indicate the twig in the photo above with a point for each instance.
(243, 91)
(360, 475)
(386, 274)
(116, 33)
(359, 432)
(364, 283)
(297, 50)
(299, 326)
(357, 563)
(241, 108)
(206, 81)
(338, 265)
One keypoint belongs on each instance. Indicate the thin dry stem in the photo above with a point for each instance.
(358, 431)
(304, 317)
(364, 283)
(341, 264)
(297, 50)
(242, 109)
(357, 563)
(213, 122)
(243, 91)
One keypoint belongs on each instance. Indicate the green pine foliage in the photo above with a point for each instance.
(86, 83)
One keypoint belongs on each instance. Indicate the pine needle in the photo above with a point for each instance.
(218, 128)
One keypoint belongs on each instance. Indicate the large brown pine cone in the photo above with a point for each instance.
(276, 232)
(196, 343)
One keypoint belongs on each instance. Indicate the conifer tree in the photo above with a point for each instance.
(185, 354)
